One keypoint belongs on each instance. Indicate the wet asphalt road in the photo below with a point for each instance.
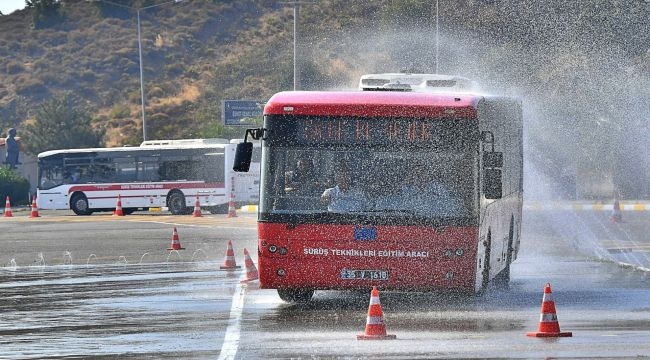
(106, 287)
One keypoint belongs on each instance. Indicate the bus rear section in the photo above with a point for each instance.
(400, 190)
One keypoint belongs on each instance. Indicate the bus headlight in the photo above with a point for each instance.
(459, 252)
(273, 248)
(281, 272)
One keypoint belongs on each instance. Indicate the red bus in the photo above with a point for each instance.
(433, 182)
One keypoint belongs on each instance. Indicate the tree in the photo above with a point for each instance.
(61, 123)
(13, 185)
(45, 12)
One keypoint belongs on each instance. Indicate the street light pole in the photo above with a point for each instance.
(296, 74)
(137, 10)
(296, 14)
(144, 121)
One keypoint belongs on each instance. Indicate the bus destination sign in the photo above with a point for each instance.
(380, 131)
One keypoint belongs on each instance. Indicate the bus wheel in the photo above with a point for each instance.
(79, 205)
(176, 203)
(295, 295)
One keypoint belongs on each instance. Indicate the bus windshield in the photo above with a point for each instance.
(312, 184)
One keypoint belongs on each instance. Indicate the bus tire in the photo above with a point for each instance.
(176, 203)
(300, 296)
(79, 204)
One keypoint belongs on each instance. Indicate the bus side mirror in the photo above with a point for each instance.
(243, 156)
(492, 187)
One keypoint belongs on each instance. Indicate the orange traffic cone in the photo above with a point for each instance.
(548, 324)
(8, 212)
(375, 327)
(229, 262)
(197, 208)
(34, 213)
(176, 243)
(118, 208)
(616, 216)
(231, 206)
(251, 270)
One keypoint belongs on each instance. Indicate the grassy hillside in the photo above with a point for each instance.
(581, 67)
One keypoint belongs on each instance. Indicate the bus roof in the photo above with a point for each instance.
(184, 142)
(133, 149)
(373, 103)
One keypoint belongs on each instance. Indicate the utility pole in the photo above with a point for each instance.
(137, 10)
(296, 14)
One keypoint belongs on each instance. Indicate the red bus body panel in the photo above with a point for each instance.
(415, 257)
(369, 104)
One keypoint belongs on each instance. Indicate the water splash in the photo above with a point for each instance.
(122, 260)
(67, 258)
(90, 257)
(40, 260)
(172, 252)
(12, 266)
(205, 256)
(142, 257)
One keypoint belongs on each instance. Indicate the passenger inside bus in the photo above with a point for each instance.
(344, 196)
(424, 192)
(302, 179)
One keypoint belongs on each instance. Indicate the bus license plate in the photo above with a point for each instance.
(364, 274)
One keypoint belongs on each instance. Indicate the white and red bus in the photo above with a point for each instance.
(459, 234)
(158, 173)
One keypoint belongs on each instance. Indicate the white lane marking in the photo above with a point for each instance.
(231, 339)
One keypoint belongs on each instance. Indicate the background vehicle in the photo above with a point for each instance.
(470, 144)
(158, 173)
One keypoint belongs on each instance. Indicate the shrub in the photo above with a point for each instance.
(14, 186)
(14, 67)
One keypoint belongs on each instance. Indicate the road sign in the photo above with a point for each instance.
(242, 112)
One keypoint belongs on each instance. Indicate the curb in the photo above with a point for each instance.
(581, 205)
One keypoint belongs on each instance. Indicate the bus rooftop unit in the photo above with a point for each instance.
(417, 82)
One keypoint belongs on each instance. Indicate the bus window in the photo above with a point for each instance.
(148, 168)
(179, 169)
(213, 167)
(125, 169)
(51, 175)
(76, 170)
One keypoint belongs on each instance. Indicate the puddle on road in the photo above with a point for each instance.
(153, 310)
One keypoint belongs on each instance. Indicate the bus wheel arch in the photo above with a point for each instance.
(503, 278)
(79, 204)
(486, 262)
(176, 203)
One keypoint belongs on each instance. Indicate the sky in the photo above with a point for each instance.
(9, 6)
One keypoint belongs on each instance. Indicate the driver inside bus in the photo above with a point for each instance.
(303, 178)
(344, 196)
